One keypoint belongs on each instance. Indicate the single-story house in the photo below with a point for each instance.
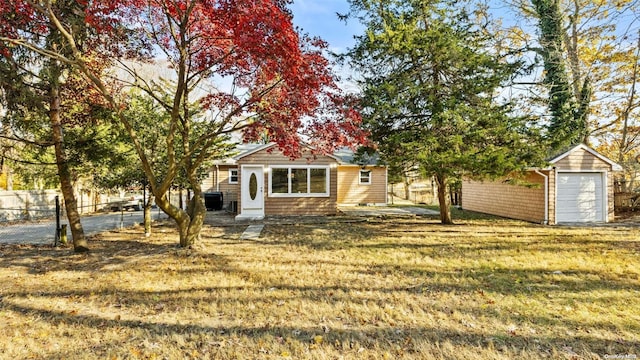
(261, 181)
(576, 186)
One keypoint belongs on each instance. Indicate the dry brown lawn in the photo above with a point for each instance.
(383, 289)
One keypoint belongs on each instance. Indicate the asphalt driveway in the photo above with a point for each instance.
(40, 233)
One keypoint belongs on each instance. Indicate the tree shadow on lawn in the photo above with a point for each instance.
(39, 259)
(118, 255)
(108, 250)
(384, 337)
(516, 280)
(477, 299)
(406, 339)
(508, 281)
(521, 278)
(468, 237)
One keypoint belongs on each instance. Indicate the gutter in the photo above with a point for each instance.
(546, 196)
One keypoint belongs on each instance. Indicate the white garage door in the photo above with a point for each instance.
(580, 197)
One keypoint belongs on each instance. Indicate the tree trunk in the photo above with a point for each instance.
(443, 200)
(190, 221)
(9, 174)
(407, 194)
(4, 169)
(64, 173)
(147, 219)
(197, 212)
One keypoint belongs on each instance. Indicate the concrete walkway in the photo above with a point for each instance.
(252, 232)
(386, 211)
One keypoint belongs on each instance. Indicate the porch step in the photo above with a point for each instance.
(252, 232)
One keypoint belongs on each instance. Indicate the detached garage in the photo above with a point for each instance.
(576, 187)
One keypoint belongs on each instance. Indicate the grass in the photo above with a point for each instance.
(382, 289)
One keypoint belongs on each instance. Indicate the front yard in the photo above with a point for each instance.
(382, 289)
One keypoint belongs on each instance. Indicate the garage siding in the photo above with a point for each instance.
(581, 160)
(507, 200)
(503, 199)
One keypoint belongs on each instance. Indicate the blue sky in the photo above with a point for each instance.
(318, 18)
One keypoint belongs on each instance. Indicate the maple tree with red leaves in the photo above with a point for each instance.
(233, 65)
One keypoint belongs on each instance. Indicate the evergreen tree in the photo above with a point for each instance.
(430, 85)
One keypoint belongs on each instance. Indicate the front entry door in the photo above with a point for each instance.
(252, 193)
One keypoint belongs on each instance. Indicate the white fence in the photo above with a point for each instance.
(38, 204)
(27, 204)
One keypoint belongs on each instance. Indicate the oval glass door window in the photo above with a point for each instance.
(253, 186)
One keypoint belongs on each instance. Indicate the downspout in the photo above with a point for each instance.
(386, 186)
(217, 178)
(546, 196)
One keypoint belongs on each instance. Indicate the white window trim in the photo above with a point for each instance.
(360, 177)
(237, 175)
(299, 195)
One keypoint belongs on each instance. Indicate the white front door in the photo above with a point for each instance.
(252, 192)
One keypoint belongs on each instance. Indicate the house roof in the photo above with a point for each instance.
(614, 166)
(347, 156)
(344, 156)
(248, 149)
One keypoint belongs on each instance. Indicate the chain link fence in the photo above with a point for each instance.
(32, 217)
(39, 217)
(27, 205)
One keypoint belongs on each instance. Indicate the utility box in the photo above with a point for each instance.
(213, 201)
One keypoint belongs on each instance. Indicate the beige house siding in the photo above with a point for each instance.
(218, 180)
(350, 192)
(224, 184)
(294, 205)
(300, 206)
(209, 182)
(507, 200)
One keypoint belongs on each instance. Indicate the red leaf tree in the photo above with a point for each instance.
(232, 65)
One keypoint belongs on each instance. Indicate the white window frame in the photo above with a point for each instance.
(360, 182)
(237, 176)
(308, 168)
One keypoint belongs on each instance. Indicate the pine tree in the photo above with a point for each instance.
(429, 93)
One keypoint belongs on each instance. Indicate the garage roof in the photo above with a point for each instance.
(614, 166)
